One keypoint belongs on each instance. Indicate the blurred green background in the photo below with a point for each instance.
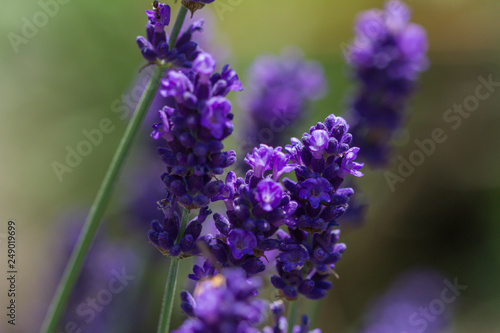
(445, 215)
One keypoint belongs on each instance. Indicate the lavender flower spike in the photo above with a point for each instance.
(193, 126)
(387, 56)
(311, 248)
(256, 207)
(155, 46)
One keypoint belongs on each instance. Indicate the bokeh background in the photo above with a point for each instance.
(68, 75)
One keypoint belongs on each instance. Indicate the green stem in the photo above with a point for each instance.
(74, 266)
(292, 314)
(177, 27)
(171, 283)
(75, 263)
(168, 296)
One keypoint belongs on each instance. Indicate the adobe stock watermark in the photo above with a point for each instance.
(30, 25)
(437, 306)
(122, 107)
(221, 7)
(92, 306)
(453, 117)
(75, 154)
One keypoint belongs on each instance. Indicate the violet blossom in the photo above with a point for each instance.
(387, 56)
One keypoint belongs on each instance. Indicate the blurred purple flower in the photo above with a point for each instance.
(241, 242)
(225, 303)
(409, 305)
(280, 89)
(387, 56)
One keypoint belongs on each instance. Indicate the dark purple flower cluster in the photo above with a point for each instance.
(206, 271)
(194, 126)
(324, 158)
(256, 207)
(387, 55)
(259, 205)
(279, 91)
(166, 236)
(226, 303)
(304, 265)
(155, 47)
(309, 252)
(281, 323)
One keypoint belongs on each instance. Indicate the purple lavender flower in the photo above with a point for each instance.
(303, 266)
(316, 190)
(256, 207)
(281, 323)
(267, 158)
(323, 159)
(280, 91)
(318, 142)
(193, 127)
(294, 258)
(387, 56)
(206, 272)
(215, 118)
(155, 49)
(164, 234)
(226, 303)
(210, 40)
(311, 249)
(349, 166)
(269, 194)
(400, 308)
(260, 160)
(241, 242)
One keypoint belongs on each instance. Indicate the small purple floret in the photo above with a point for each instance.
(241, 242)
(269, 194)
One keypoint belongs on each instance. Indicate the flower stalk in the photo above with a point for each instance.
(177, 27)
(98, 207)
(171, 283)
(75, 263)
(168, 296)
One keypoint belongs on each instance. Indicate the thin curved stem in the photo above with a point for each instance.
(171, 283)
(177, 27)
(75, 263)
(168, 296)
